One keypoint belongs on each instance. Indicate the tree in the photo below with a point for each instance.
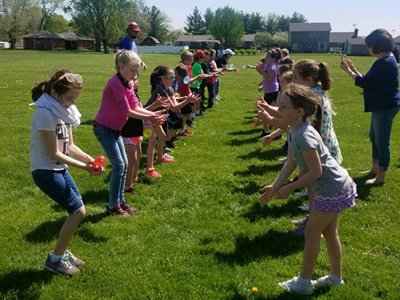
(195, 23)
(48, 8)
(263, 40)
(208, 17)
(102, 17)
(280, 39)
(57, 23)
(227, 25)
(158, 26)
(297, 18)
(173, 35)
(14, 19)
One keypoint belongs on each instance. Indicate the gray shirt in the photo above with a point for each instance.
(334, 178)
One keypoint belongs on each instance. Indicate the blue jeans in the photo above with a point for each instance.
(113, 145)
(60, 187)
(379, 135)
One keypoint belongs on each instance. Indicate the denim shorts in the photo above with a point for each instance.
(60, 187)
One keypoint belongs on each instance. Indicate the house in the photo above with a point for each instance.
(4, 45)
(356, 46)
(150, 41)
(44, 40)
(396, 41)
(338, 41)
(247, 41)
(74, 42)
(197, 41)
(309, 37)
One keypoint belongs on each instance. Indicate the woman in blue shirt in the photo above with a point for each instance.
(381, 98)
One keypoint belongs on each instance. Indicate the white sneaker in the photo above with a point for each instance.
(327, 281)
(293, 285)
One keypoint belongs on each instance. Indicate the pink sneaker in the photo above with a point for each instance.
(165, 159)
(153, 173)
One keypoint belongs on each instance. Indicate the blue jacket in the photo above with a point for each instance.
(381, 85)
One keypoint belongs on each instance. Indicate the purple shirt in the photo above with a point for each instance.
(272, 85)
(117, 100)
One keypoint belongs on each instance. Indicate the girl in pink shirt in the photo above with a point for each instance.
(117, 104)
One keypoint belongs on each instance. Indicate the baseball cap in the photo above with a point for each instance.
(229, 52)
(134, 26)
(200, 53)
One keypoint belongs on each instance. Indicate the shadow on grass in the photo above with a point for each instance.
(263, 154)
(87, 122)
(48, 231)
(237, 142)
(25, 284)
(260, 211)
(248, 188)
(271, 244)
(258, 170)
(363, 190)
(245, 132)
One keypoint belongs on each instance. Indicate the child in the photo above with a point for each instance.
(270, 79)
(333, 187)
(181, 72)
(118, 103)
(199, 58)
(132, 136)
(184, 88)
(51, 144)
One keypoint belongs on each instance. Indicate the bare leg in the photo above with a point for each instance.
(161, 136)
(132, 161)
(317, 223)
(150, 151)
(334, 247)
(68, 230)
(138, 154)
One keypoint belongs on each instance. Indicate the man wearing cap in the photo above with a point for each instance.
(128, 42)
(222, 63)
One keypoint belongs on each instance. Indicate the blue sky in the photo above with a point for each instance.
(342, 14)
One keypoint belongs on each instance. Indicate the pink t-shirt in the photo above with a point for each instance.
(272, 85)
(117, 100)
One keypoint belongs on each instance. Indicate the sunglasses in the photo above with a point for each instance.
(170, 77)
(71, 77)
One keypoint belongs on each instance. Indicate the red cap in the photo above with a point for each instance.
(134, 26)
(200, 53)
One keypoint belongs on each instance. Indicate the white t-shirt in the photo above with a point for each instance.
(44, 120)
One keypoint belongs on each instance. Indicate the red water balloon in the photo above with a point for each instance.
(99, 162)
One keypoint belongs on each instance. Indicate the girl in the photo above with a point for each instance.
(333, 187)
(316, 75)
(118, 103)
(381, 98)
(162, 80)
(51, 144)
(270, 79)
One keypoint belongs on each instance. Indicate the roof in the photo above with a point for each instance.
(44, 35)
(153, 39)
(357, 41)
(72, 36)
(196, 38)
(248, 38)
(68, 36)
(296, 27)
(340, 37)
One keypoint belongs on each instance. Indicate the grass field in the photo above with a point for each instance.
(200, 232)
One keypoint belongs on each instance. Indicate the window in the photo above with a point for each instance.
(314, 34)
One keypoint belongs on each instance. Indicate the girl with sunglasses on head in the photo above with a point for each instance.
(51, 145)
(334, 189)
(162, 80)
(117, 104)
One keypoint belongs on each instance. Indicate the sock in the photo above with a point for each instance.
(55, 258)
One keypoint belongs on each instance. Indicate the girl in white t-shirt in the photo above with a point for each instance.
(51, 145)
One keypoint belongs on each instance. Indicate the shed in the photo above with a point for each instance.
(150, 41)
(356, 46)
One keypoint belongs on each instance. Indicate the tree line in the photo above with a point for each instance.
(106, 21)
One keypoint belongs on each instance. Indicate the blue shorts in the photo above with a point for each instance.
(60, 187)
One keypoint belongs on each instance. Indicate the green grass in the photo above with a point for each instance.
(201, 232)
